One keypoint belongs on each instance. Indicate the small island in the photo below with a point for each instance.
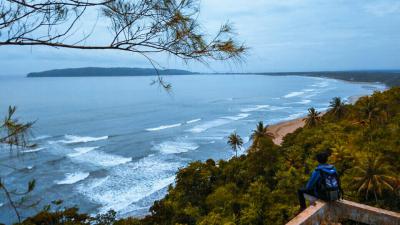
(107, 72)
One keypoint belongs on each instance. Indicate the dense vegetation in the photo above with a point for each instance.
(260, 187)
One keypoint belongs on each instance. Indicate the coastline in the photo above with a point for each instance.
(280, 130)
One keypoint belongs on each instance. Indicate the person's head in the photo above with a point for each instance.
(322, 157)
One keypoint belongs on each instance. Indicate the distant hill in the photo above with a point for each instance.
(391, 78)
(107, 72)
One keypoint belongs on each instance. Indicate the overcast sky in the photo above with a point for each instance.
(283, 35)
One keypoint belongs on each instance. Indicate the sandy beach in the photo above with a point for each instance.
(280, 130)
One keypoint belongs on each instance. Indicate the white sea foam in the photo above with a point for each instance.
(82, 150)
(208, 138)
(193, 121)
(41, 137)
(33, 150)
(29, 167)
(72, 178)
(304, 101)
(102, 159)
(207, 125)
(72, 139)
(294, 116)
(254, 108)
(276, 108)
(129, 183)
(174, 147)
(164, 127)
(321, 84)
(294, 94)
(237, 117)
(218, 122)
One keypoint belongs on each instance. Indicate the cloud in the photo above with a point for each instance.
(283, 35)
(383, 8)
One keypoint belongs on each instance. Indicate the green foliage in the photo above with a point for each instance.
(258, 135)
(337, 108)
(261, 187)
(235, 141)
(313, 118)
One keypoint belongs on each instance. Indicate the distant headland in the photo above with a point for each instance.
(390, 78)
(107, 72)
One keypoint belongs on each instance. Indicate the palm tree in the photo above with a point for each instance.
(313, 118)
(369, 109)
(373, 176)
(337, 107)
(235, 141)
(260, 132)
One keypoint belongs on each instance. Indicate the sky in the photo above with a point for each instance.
(282, 36)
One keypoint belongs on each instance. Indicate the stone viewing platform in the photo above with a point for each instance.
(324, 213)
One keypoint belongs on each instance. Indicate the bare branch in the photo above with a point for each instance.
(136, 26)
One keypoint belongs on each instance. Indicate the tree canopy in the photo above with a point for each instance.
(138, 26)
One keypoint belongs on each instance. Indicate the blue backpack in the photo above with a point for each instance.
(328, 186)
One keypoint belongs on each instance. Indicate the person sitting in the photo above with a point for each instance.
(323, 184)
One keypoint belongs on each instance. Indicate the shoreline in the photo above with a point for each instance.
(281, 129)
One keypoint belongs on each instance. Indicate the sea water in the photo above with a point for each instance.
(116, 142)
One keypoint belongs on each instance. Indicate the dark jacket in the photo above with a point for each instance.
(311, 184)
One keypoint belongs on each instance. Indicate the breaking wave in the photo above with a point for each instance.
(255, 108)
(81, 151)
(33, 150)
(294, 94)
(295, 116)
(163, 127)
(72, 178)
(174, 147)
(217, 122)
(73, 139)
(237, 117)
(102, 159)
(304, 101)
(128, 184)
(193, 121)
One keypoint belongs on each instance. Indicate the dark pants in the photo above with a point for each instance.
(302, 200)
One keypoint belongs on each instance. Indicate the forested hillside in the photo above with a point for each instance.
(260, 188)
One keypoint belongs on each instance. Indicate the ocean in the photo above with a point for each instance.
(116, 142)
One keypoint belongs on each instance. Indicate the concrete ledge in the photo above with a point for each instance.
(364, 213)
(313, 215)
(324, 213)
